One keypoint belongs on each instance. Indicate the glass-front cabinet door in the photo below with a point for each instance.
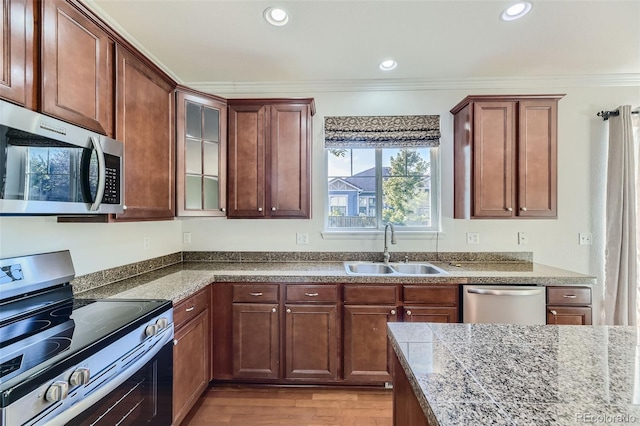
(202, 154)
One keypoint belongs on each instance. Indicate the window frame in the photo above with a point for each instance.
(435, 191)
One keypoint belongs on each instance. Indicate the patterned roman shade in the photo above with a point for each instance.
(397, 131)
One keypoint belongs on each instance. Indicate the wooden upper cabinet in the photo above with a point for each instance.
(269, 168)
(505, 156)
(16, 52)
(201, 129)
(77, 68)
(144, 118)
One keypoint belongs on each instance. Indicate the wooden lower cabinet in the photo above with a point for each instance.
(406, 408)
(311, 342)
(191, 353)
(366, 348)
(256, 341)
(569, 315)
(430, 314)
(569, 305)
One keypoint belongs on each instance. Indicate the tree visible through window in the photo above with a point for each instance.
(378, 186)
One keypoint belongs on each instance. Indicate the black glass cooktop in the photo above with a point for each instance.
(41, 346)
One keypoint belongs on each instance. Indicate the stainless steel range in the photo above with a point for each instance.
(79, 361)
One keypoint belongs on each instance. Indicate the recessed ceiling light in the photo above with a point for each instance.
(516, 11)
(276, 16)
(388, 65)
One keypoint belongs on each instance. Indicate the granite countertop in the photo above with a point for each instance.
(181, 280)
(482, 374)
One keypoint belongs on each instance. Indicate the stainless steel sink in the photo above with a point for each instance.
(392, 269)
(367, 268)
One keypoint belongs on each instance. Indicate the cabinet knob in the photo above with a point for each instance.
(274, 310)
(553, 312)
(509, 209)
(524, 209)
(273, 209)
(408, 312)
(124, 207)
(175, 342)
(259, 209)
(393, 312)
(288, 310)
(222, 209)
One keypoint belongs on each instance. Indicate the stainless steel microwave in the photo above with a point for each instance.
(50, 167)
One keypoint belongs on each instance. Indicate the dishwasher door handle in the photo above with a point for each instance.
(510, 292)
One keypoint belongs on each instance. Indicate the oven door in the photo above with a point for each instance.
(142, 399)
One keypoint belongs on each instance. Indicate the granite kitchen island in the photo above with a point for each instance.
(486, 374)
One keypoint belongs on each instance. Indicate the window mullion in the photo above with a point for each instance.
(379, 199)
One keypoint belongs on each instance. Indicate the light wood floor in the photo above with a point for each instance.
(249, 406)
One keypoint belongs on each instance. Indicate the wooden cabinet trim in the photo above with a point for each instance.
(568, 296)
(370, 294)
(439, 295)
(17, 70)
(569, 315)
(311, 293)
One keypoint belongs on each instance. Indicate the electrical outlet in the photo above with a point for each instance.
(473, 238)
(585, 238)
(523, 238)
(302, 238)
(146, 243)
(186, 237)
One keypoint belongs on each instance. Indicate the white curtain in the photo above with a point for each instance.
(621, 241)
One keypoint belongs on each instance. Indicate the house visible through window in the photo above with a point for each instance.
(370, 187)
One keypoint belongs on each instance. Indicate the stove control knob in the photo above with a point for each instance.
(57, 391)
(79, 377)
(151, 330)
(162, 323)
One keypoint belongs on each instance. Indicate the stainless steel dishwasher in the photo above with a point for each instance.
(493, 304)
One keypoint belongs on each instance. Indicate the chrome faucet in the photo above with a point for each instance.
(386, 254)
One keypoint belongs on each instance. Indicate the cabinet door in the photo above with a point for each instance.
(311, 340)
(255, 341)
(568, 315)
(367, 353)
(246, 168)
(16, 51)
(430, 314)
(190, 364)
(537, 158)
(289, 150)
(201, 155)
(493, 159)
(77, 68)
(144, 122)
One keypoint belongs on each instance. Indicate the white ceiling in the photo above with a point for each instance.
(209, 43)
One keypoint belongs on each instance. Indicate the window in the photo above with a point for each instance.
(370, 187)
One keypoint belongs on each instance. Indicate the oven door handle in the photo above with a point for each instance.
(75, 410)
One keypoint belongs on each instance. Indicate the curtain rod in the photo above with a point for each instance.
(606, 114)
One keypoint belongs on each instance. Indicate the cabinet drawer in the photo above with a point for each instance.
(187, 309)
(431, 295)
(370, 294)
(568, 296)
(255, 293)
(312, 293)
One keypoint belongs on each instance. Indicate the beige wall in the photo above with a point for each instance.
(581, 147)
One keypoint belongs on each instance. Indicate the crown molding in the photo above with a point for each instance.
(231, 88)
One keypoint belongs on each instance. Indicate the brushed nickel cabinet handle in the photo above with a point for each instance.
(569, 296)
(311, 294)
(255, 294)
(190, 309)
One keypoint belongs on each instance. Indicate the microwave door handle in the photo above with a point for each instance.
(101, 174)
